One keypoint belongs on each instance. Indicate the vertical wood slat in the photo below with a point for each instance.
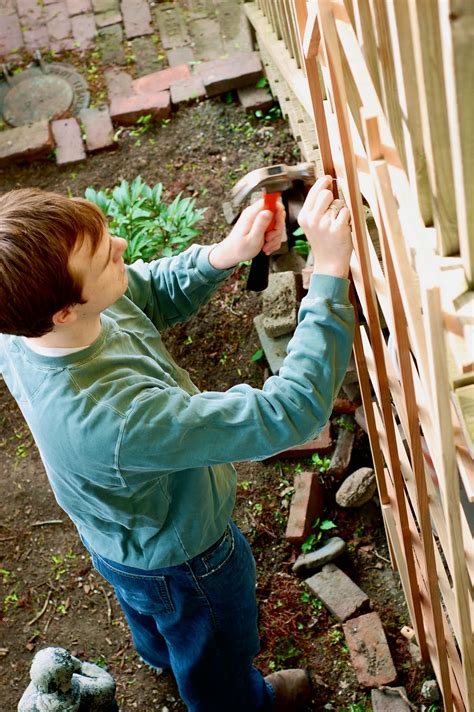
(449, 479)
(366, 38)
(382, 182)
(425, 28)
(399, 23)
(457, 33)
(331, 45)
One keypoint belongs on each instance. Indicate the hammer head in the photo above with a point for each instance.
(273, 179)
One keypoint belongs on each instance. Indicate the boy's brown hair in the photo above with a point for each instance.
(38, 232)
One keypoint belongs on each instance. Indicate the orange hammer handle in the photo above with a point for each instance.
(269, 203)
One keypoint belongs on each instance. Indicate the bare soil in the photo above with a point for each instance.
(50, 593)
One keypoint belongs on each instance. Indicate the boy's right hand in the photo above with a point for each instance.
(326, 224)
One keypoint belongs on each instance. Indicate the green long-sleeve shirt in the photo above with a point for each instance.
(135, 454)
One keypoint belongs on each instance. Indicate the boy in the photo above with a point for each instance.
(137, 457)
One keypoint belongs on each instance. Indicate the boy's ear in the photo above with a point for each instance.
(65, 317)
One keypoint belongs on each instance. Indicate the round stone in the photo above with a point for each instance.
(39, 97)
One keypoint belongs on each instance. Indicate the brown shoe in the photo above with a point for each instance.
(292, 689)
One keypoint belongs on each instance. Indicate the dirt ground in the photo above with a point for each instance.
(50, 594)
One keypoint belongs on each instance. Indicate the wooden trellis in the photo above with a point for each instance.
(380, 92)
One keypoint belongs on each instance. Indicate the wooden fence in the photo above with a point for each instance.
(379, 93)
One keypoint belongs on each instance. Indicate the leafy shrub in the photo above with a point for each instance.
(152, 228)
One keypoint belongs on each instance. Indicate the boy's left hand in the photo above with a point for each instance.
(249, 237)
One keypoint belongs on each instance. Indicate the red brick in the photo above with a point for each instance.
(187, 90)
(10, 34)
(343, 405)
(25, 142)
(98, 129)
(77, 7)
(238, 70)
(29, 11)
(126, 110)
(69, 143)
(338, 593)
(370, 655)
(83, 30)
(306, 505)
(67, 43)
(57, 20)
(253, 98)
(37, 38)
(321, 444)
(136, 18)
(159, 81)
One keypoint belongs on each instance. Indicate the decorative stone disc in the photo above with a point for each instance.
(39, 97)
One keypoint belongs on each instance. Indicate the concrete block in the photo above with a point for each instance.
(253, 98)
(25, 142)
(126, 110)
(338, 593)
(136, 18)
(280, 304)
(98, 129)
(238, 70)
(187, 90)
(390, 700)
(68, 139)
(275, 349)
(171, 26)
(342, 454)
(206, 39)
(306, 505)
(159, 81)
(369, 651)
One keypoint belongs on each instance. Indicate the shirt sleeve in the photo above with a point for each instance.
(168, 430)
(172, 289)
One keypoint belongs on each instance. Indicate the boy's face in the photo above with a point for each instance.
(102, 274)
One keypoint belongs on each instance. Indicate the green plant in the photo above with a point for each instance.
(5, 574)
(316, 536)
(144, 124)
(152, 228)
(272, 114)
(345, 423)
(301, 247)
(257, 355)
(322, 463)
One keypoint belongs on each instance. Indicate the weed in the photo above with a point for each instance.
(6, 575)
(271, 115)
(345, 424)
(316, 536)
(10, 600)
(100, 661)
(316, 604)
(322, 463)
(144, 124)
(257, 355)
(246, 485)
(152, 228)
(301, 247)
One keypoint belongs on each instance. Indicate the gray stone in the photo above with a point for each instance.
(275, 349)
(110, 41)
(179, 55)
(338, 593)
(357, 489)
(105, 5)
(253, 98)
(199, 8)
(207, 40)
(105, 19)
(60, 682)
(171, 26)
(136, 18)
(147, 57)
(359, 416)
(334, 547)
(118, 83)
(279, 304)
(390, 699)
(236, 35)
(342, 454)
(289, 261)
(430, 691)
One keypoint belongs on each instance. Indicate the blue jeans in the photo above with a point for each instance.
(200, 619)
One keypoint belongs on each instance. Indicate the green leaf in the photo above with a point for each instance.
(299, 231)
(327, 524)
(262, 83)
(257, 355)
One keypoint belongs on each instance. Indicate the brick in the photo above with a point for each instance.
(159, 81)
(344, 405)
(11, 37)
(253, 98)
(78, 7)
(126, 110)
(110, 41)
(180, 55)
(57, 21)
(29, 11)
(171, 26)
(83, 30)
(342, 454)
(25, 142)
(68, 139)
(7, 7)
(63, 45)
(236, 36)
(187, 90)
(306, 505)
(136, 18)
(238, 70)
(104, 19)
(338, 593)
(37, 38)
(98, 129)
(105, 5)
(390, 699)
(206, 39)
(199, 8)
(370, 655)
(321, 444)
(118, 83)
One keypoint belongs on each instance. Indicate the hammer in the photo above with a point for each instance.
(273, 180)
